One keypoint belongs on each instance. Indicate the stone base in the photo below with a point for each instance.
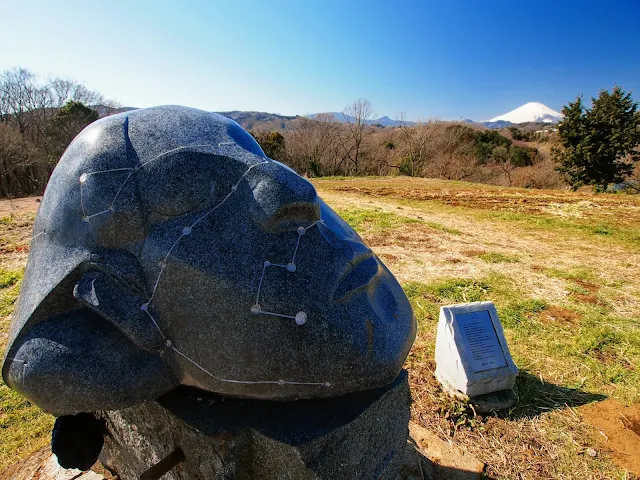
(361, 435)
(483, 404)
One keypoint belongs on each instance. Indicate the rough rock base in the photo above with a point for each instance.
(357, 436)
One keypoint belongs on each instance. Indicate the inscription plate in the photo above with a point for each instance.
(480, 335)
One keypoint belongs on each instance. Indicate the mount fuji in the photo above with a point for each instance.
(530, 112)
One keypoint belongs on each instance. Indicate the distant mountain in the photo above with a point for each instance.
(384, 121)
(251, 120)
(530, 112)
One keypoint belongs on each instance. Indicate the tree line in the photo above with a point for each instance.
(38, 119)
(597, 146)
(320, 146)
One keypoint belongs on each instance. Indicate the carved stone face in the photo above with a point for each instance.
(172, 226)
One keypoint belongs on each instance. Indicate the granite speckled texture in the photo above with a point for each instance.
(361, 435)
(168, 250)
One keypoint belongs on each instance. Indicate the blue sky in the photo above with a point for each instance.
(444, 59)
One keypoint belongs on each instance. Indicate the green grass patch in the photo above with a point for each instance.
(377, 220)
(616, 233)
(495, 257)
(628, 236)
(374, 219)
(580, 273)
(520, 312)
(9, 278)
(594, 351)
(442, 228)
(10, 281)
(23, 426)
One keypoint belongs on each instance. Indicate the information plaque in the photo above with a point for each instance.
(472, 356)
(478, 331)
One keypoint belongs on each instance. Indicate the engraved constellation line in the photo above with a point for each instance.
(256, 309)
(300, 318)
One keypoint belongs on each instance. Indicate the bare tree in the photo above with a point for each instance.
(357, 116)
(502, 162)
(418, 146)
(454, 158)
(313, 144)
(27, 107)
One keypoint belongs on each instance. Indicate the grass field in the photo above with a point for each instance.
(563, 270)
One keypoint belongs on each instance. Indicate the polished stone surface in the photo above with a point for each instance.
(169, 250)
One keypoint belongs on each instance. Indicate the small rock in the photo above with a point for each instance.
(591, 452)
(446, 461)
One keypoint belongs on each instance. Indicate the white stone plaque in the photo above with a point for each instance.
(477, 330)
(472, 356)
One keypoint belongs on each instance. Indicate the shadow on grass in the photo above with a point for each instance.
(535, 396)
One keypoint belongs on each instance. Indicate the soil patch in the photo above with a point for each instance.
(619, 428)
(555, 314)
(584, 298)
(19, 205)
(590, 287)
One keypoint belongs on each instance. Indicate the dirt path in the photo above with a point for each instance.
(424, 255)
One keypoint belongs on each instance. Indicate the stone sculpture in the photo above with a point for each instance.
(168, 250)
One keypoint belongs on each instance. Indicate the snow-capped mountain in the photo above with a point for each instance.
(530, 112)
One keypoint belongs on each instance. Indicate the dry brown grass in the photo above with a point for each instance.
(563, 270)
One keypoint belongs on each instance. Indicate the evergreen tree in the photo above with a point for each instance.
(272, 143)
(64, 126)
(599, 146)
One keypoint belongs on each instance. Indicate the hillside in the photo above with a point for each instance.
(260, 120)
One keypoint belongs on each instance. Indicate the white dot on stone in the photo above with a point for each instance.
(280, 382)
(85, 219)
(301, 318)
(162, 265)
(301, 231)
(267, 263)
(144, 307)
(83, 178)
(255, 309)
(291, 267)
(234, 188)
(168, 343)
(327, 384)
(186, 230)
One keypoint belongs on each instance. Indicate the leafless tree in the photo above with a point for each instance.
(502, 162)
(27, 106)
(19, 169)
(313, 144)
(454, 158)
(418, 145)
(353, 141)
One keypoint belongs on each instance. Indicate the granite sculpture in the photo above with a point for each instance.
(169, 250)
